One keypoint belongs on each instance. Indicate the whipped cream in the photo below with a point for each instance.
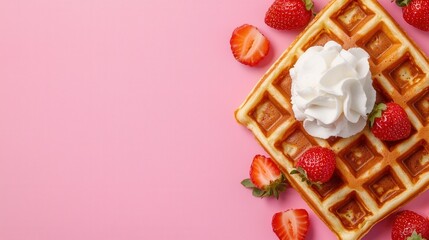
(332, 90)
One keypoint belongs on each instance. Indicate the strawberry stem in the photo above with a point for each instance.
(402, 3)
(376, 113)
(415, 236)
(308, 4)
(304, 178)
(274, 189)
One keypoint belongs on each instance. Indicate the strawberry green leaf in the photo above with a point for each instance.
(258, 192)
(282, 187)
(276, 194)
(376, 113)
(402, 3)
(274, 189)
(247, 183)
(416, 236)
(301, 172)
(308, 4)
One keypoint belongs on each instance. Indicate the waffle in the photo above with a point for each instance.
(373, 178)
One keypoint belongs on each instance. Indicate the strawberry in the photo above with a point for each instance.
(415, 13)
(316, 165)
(249, 46)
(409, 225)
(291, 224)
(266, 179)
(289, 14)
(389, 122)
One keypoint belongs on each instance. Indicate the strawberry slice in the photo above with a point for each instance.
(291, 224)
(266, 179)
(249, 46)
(263, 171)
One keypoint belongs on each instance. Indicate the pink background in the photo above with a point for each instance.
(117, 121)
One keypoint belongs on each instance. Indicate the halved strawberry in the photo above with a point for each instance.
(249, 46)
(266, 179)
(291, 224)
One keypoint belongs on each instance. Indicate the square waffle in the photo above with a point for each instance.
(373, 178)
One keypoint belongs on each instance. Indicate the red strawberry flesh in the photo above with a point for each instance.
(291, 224)
(249, 46)
(318, 164)
(289, 14)
(416, 13)
(263, 171)
(392, 124)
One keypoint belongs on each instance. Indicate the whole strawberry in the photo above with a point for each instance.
(409, 225)
(266, 179)
(289, 14)
(415, 13)
(316, 165)
(389, 122)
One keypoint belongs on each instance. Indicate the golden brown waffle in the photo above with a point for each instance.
(373, 178)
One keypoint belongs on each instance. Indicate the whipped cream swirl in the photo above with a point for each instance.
(332, 90)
